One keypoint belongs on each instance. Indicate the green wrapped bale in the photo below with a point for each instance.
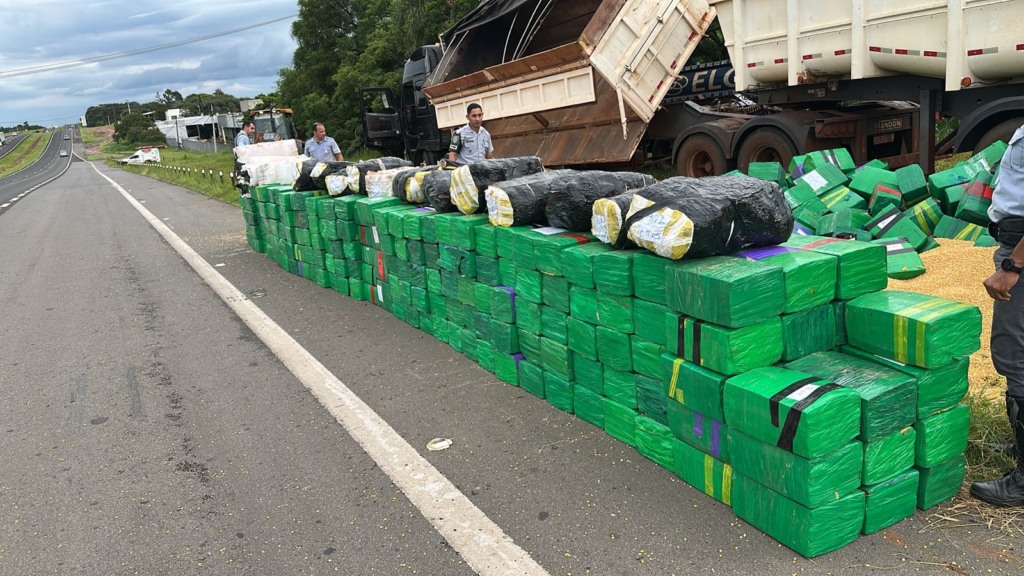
(555, 292)
(926, 214)
(842, 198)
(866, 179)
(891, 222)
(838, 157)
(646, 356)
(842, 221)
(502, 303)
(613, 271)
(940, 482)
(918, 329)
(902, 261)
(861, 265)
(649, 321)
(578, 263)
(724, 290)
(654, 440)
(883, 197)
(556, 358)
(941, 436)
(583, 304)
(649, 277)
(912, 184)
(708, 435)
(550, 243)
(558, 391)
(809, 277)
(588, 406)
(702, 471)
(506, 367)
(620, 386)
(809, 531)
(949, 227)
(811, 482)
(891, 501)
(937, 388)
(770, 171)
(726, 350)
(651, 399)
(528, 285)
(792, 410)
(553, 324)
(528, 316)
(807, 332)
(620, 422)
(889, 456)
(582, 338)
(887, 396)
(614, 349)
(588, 373)
(531, 378)
(615, 312)
(977, 199)
(697, 388)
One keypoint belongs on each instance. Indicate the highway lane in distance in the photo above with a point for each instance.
(49, 166)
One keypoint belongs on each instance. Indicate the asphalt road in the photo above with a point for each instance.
(145, 428)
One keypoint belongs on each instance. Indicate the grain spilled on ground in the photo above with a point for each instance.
(955, 270)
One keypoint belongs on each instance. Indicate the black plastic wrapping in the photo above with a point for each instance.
(526, 197)
(571, 198)
(436, 187)
(398, 188)
(304, 181)
(324, 169)
(487, 172)
(383, 163)
(729, 213)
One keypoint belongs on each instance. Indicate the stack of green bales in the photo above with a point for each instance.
(761, 379)
(902, 209)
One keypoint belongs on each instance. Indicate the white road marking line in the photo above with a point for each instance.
(478, 540)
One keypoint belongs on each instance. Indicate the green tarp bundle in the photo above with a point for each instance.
(548, 248)
(949, 227)
(917, 329)
(697, 388)
(588, 373)
(926, 214)
(708, 435)
(846, 220)
(889, 455)
(976, 201)
(901, 259)
(812, 482)
(937, 388)
(809, 531)
(620, 422)
(588, 405)
(861, 264)
(654, 440)
(770, 171)
(941, 436)
(793, 410)
(646, 356)
(886, 503)
(703, 471)
(620, 386)
(838, 157)
(649, 277)
(651, 399)
(613, 271)
(808, 331)
(614, 348)
(558, 391)
(649, 321)
(726, 350)
(940, 482)
(578, 263)
(809, 277)
(891, 222)
(531, 378)
(732, 292)
(887, 397)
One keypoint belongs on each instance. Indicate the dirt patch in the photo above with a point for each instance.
(104, 136)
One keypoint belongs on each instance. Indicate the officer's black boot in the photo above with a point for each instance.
(1009, 490)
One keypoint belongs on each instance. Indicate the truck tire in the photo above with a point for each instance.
(700, 155)
(1002, 131)
(765, 145)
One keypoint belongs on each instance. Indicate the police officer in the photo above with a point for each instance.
(472, 142)
(1007, 290)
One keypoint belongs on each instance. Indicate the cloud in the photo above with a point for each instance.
(48, 33)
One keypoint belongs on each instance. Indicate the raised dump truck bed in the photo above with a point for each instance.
(574, 82)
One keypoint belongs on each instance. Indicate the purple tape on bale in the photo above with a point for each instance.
(765, 252)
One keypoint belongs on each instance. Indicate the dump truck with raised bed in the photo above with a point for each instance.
(568, 84)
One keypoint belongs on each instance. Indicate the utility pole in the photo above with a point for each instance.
(129, 106)
(214, 122)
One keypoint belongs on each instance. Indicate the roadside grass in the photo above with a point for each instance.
(989, 428)
(27, 151)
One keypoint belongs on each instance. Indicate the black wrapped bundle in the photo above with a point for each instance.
(322, 170)
(608, 214)
(520, 201)
(304, 181)
(471, 180)
(408, 184)
(707, 217)
(357, 172)
(571, 198)
(436, 186)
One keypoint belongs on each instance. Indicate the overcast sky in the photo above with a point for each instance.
(38, 34)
